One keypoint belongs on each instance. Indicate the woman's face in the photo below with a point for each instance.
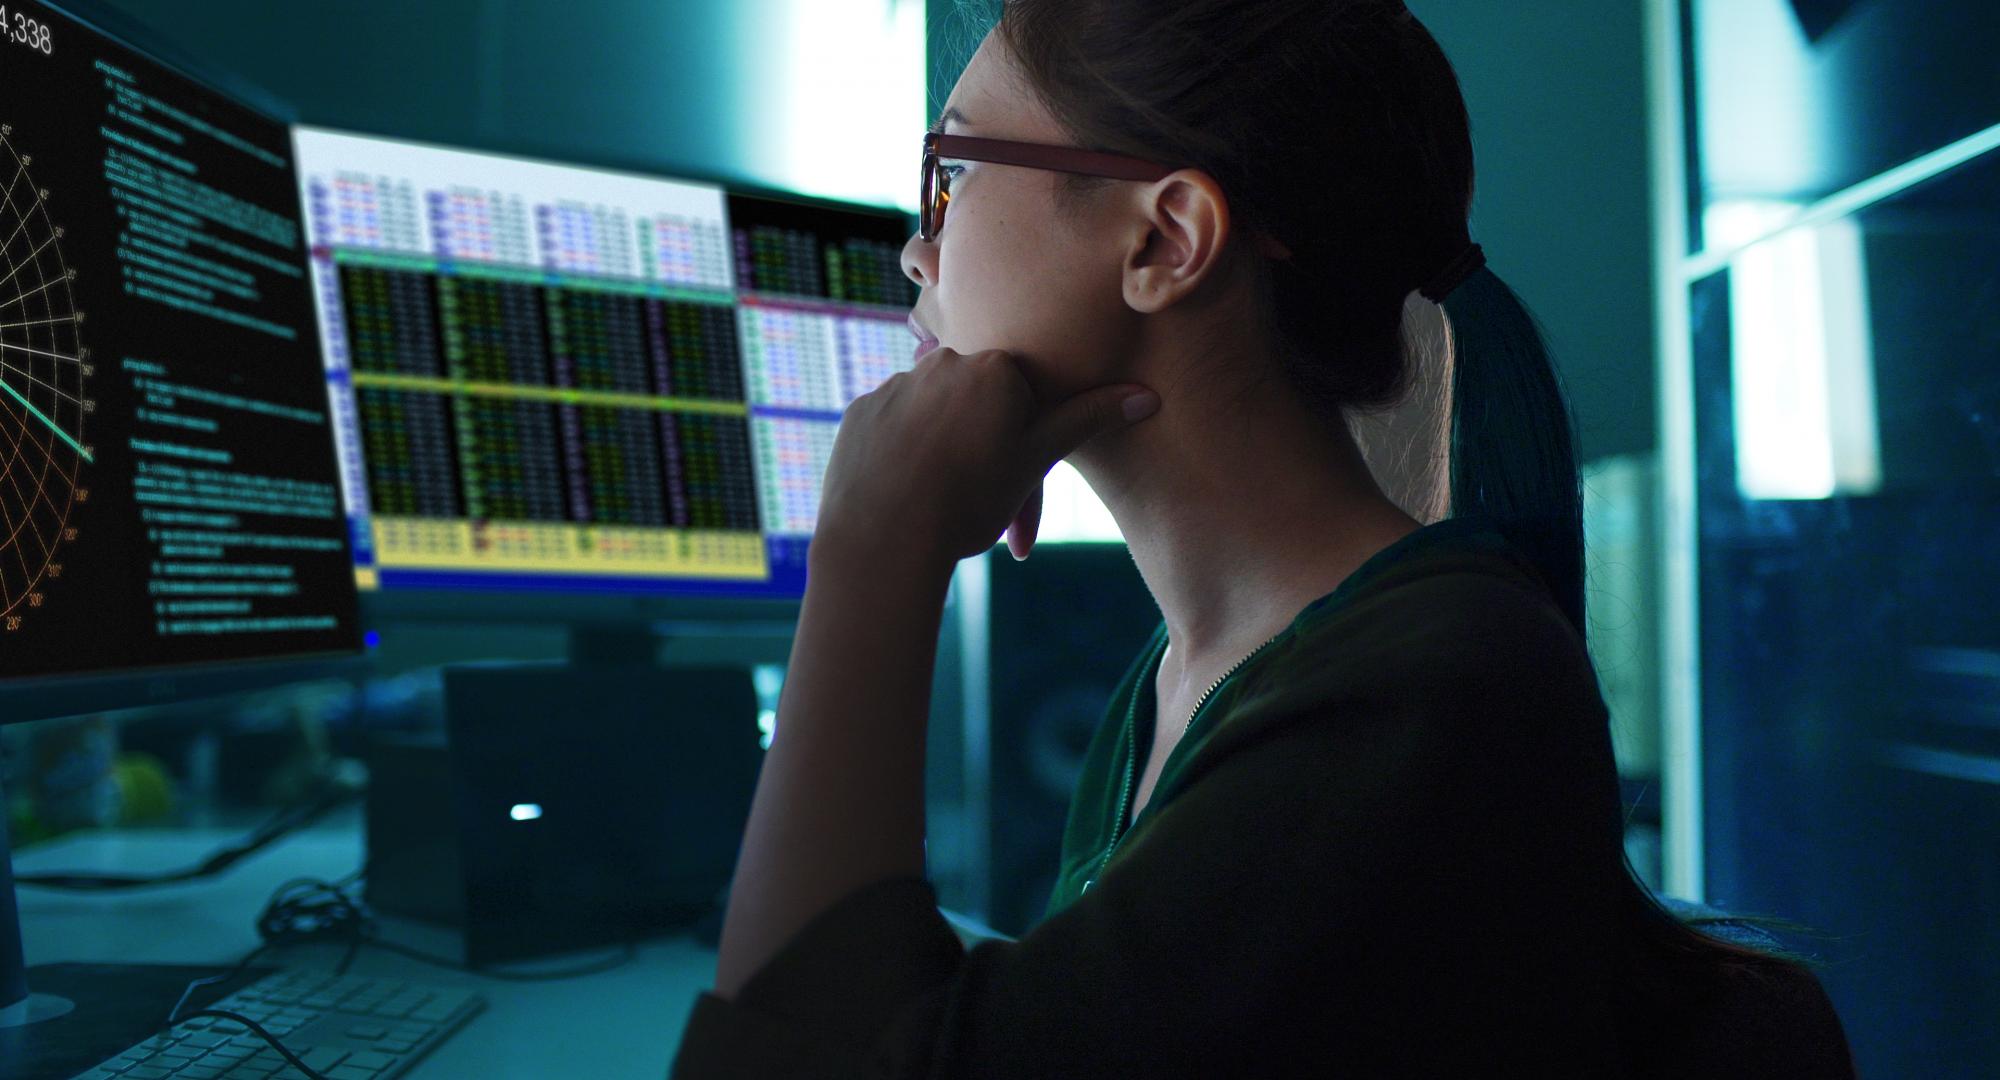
(1007, 270)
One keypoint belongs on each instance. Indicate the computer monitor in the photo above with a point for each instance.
(170, 515)
(567, 393)
(168, 495)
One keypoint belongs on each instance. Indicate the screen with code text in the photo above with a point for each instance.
(168, 490)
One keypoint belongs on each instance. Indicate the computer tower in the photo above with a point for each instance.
(567, 807)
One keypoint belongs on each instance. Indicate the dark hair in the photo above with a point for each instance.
(1338, 128)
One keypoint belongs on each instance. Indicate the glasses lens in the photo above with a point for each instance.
(927, 199)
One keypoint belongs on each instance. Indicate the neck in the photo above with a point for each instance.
(1239, 509)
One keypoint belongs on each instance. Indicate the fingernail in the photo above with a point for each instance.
(1140, 406)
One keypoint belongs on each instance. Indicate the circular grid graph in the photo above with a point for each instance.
(43, 405)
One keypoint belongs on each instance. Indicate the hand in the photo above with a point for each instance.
(937, 461)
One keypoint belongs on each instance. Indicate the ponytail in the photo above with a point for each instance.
(1513, 462)
(1513, 452)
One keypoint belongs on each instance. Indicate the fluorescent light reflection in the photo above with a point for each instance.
(1072, 513)
(1804, 356)
(848, 114)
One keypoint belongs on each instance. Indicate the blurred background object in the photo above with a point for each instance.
(1829, 189)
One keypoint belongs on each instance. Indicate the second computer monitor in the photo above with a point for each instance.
(549, 378)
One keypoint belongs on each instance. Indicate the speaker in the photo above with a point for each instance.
(1066, 624)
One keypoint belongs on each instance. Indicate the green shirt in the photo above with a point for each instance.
(1101, 807)
(1389, 845)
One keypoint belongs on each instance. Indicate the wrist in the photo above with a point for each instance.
(876, 552)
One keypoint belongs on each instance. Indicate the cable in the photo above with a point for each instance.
(291, 1058)
(306, 910)
(174, 1015)
(285, 822)
(292, 916)
(296, 914)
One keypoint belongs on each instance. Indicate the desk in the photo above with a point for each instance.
(621, 1023)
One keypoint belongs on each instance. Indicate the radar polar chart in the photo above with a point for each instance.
(44, 374)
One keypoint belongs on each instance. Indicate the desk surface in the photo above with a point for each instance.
(620, 1023)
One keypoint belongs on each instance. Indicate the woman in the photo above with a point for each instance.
(1353, 811)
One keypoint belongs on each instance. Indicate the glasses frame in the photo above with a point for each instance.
(934, 193)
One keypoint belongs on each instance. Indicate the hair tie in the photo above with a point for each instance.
(1451, 277)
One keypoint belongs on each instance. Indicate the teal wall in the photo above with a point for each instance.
(1557, 91)
(655, 85)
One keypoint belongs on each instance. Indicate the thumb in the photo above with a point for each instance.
(1088, 415)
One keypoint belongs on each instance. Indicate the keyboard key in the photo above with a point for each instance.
(395, 1046)
(369, 1059)
(350, 1072)
(199, 1072)
(321, 1058)
(147, 1072)
(434, 1012)
(367, 1031)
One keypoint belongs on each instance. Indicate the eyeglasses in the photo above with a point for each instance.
(936, 191)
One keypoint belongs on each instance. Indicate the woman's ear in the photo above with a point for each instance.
(1180, 233)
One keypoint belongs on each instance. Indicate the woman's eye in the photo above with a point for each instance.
(951, 172)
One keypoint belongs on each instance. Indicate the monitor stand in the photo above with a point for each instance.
(614, 645)
(18, 1007)
(60, 1019)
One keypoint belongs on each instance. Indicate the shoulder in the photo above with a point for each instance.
(1472, 627)
(1477, 612)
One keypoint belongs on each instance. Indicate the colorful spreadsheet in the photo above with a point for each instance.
(547, 376)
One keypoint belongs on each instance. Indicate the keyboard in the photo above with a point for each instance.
(346, 1027)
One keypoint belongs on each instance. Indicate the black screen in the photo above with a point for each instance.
(168, 492)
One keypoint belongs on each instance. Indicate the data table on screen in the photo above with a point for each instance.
(571, 374)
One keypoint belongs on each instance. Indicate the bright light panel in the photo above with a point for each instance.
(843, 114)
(1804, 360)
